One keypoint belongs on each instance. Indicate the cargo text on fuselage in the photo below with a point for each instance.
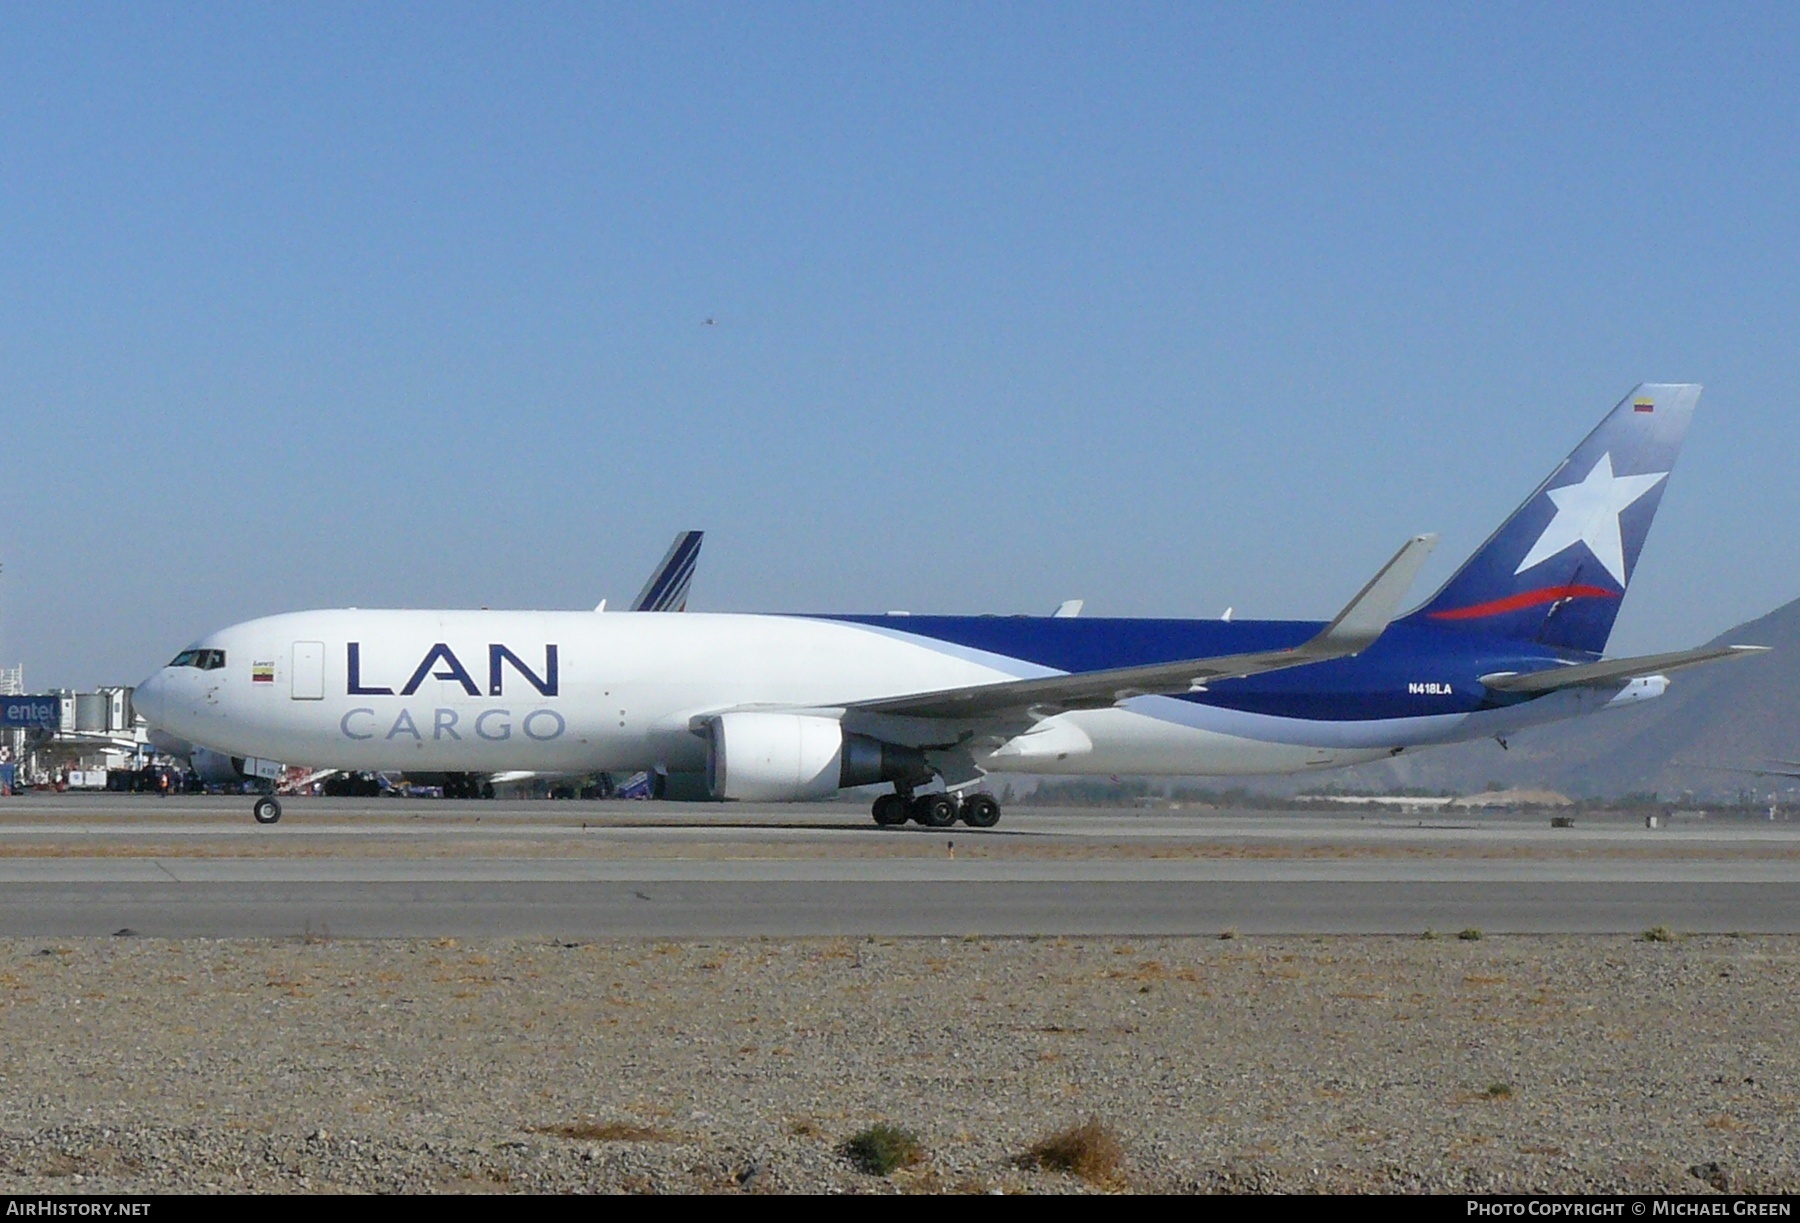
(440, 662)
(450, 668)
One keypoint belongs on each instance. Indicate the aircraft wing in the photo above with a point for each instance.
(1791, 769)
(1363, 620)
(667, 589)
(1612, 670)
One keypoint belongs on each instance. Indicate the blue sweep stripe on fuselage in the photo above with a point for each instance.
(1414, 669)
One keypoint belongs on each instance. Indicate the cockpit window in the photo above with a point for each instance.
(185, 658)
(205, 660)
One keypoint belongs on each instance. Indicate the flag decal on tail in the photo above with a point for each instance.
(1644, 405)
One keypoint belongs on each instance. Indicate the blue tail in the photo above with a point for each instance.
(1556, 570)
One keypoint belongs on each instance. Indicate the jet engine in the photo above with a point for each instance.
(219, 769)
(783, 757)
(216, 768)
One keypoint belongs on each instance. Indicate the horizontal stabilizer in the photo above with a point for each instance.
(1613, 670)
(1356, 628)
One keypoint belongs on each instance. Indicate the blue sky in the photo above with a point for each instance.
(1165, 307)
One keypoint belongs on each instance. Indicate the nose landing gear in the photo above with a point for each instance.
(266, 810)
(936, 810)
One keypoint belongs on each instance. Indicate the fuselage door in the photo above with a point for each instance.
(309, 670)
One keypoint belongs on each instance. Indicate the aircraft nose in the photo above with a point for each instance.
(149, 698)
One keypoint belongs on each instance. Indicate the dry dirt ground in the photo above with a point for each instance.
(1334, 1064)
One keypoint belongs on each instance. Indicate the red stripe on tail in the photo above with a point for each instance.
(1530, 598)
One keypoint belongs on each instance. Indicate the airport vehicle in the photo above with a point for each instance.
(791, 707)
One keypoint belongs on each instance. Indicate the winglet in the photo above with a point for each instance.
(1367, 616)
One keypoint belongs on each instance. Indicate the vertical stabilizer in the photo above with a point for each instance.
(667, 589)
(1556, 570)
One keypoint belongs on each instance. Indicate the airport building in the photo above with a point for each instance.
(67, 739)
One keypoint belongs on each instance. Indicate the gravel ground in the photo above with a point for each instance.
(1325, 1064)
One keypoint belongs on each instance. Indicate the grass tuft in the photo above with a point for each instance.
(1659, 934)
(1499, 1091)
(1713, 1174)
(1471, 935)
(1430, 935)
(1229, 932)
(1090, 1150)
(883, 1148)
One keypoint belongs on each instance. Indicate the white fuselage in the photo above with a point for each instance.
(489, 691)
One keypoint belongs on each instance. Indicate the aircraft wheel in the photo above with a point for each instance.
(889, 810)
(934, 810)
(487, 789)
(266, 810)
(980, 811)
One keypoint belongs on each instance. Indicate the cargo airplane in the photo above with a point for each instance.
(788, 707)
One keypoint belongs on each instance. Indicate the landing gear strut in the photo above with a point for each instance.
(936, 810)
(266, 810)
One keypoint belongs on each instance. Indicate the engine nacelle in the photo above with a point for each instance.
(784, 757)
(1643, 688)
(218, 769)
(215, 768)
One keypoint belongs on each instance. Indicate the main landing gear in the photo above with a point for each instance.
(937, 810)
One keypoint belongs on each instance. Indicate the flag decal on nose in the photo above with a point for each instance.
(262, 673)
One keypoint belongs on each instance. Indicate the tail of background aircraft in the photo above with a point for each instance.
(667, 589)
(1556, 570)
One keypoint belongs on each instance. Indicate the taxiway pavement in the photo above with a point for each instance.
(186, 867)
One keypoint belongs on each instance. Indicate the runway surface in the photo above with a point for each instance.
(189, 867)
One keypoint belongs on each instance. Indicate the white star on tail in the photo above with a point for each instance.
(1588, 513)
